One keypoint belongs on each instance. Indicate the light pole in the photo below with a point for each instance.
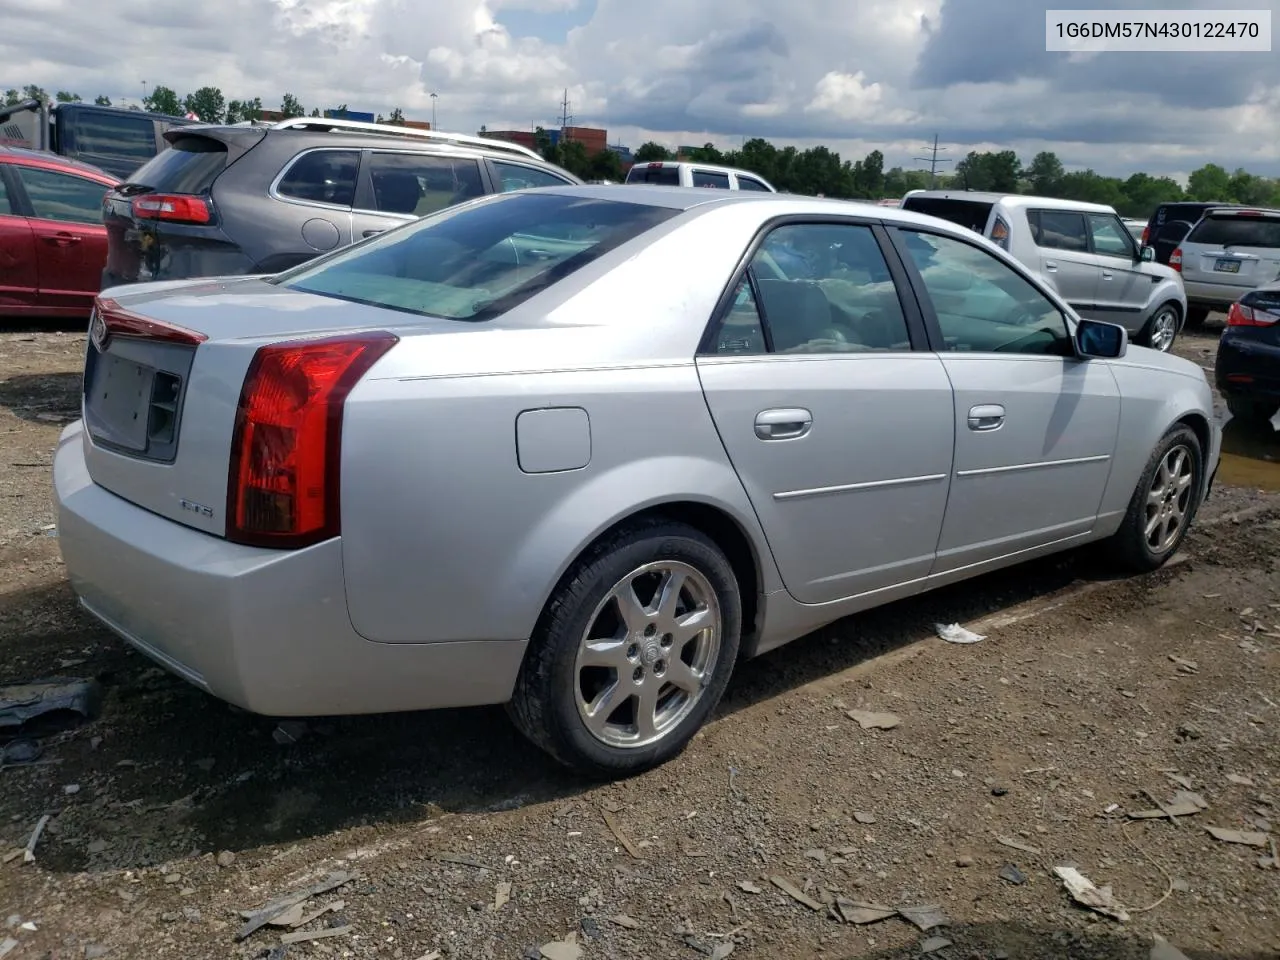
(433, 109)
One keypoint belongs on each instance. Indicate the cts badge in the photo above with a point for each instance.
(199, 508)
(98, 332)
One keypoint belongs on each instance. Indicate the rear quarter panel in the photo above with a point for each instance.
(1156, 390)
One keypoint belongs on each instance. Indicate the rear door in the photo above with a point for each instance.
(1234, 250)
(70, 240)
(1066, 261)
(398, 186)
(17, 252)
(840, 432)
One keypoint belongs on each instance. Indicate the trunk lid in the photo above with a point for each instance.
(162, 378)
(1234, 248)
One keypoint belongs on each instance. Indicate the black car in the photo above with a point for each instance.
(1247, 369)
(1171, 222)
(248, 199)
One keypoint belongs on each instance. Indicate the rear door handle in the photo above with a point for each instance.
(373, 233)
(783, 424)
(1107, 275)
(986, 416)
(1051, 266)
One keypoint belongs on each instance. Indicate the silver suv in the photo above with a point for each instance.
(1082, 250)
(249, 199)
(1230, 251)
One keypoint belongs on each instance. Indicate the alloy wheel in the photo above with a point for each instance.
(1169, 499)
(1163, 329)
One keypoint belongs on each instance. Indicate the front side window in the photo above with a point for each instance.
(62, 196)
(322, 176)
(1110, 237)
(517, 176)
(420, 184)
(982, 304)
(823, 288)
(1058, 230)
(478, 261)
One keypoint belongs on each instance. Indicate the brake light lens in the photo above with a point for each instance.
(109, 320)
(1175, 259)
(282, 487)
(1000, 233)
(173, 207)
(1241, 315)
(1146, 235)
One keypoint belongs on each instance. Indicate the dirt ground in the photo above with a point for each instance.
(1091, 698)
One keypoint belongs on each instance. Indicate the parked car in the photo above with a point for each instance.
(671, 173)
(1136, 228)
(52, 242)
(1247, 368)
(1082, 250)
(580, 449)
(241, 199)
(1229, 251)
(1170, 223)
(110, 138)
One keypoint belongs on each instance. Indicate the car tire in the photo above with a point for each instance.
(1163, 327)
(1145, 540)
(563, 675)
(1196, 317)
(1252, 412)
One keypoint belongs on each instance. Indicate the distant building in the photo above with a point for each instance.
(593, 139)
(271, 116)
(624, 153)
(349, 115)
(523, 137)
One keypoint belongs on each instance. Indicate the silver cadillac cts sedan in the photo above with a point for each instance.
(579, 450)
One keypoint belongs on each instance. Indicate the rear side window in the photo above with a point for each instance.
(1058, 230)
(62, 196)
(663, 176)
(965, 213)
(418, 184)
(517, 176)
(322, 176)
(709, 178)
(749, 183)
(1237, 231)
(6, 205)
(108, 134)
(476, 262)
(189, 166)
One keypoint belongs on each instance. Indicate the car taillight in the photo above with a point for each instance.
(1000, 233)
(1241, 315)
(1146, 234)
(108, 320)
(176, 208)
(1175, 259)
(282, 485)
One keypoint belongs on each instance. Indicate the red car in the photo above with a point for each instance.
(53, 245)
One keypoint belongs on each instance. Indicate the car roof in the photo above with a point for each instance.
(710, 167)
(1240, 210)
(1012, 200)
(51, 161)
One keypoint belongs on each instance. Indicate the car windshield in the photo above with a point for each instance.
(1238, 231)
(477, 261)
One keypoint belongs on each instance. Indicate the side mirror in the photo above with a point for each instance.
(1148, 254)
(1102, 341)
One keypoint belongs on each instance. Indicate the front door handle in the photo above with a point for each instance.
(1051, 266)
(1107, 275)
(783, 424)
(987, 416)
(62, 239)
(372, 233)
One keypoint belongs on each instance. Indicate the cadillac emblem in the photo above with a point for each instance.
(98, 332)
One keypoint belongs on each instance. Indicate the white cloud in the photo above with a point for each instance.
(888, 72)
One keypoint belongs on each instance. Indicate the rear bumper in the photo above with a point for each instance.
(1247, 367)
(266, 630)
(1212, 296)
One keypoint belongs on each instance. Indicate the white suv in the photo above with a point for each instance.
(1082, 250)
(680, 174)
(1230, 251)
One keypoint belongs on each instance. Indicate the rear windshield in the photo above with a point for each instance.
(189, 166)
(1237, 231)
(477, 261)
(967, 213)
(666, 176)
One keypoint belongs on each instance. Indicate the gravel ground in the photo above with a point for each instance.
(1092, 698)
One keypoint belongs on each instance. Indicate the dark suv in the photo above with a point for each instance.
(1170, 222)
(259, 199)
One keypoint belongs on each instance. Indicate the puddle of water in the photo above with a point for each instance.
(1250, 457)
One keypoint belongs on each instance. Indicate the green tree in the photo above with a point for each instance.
(998, 172)
(649, 151)
(290, 107)
(65, 96)
(1045, 173)
(866, 178)
(102, 100)
(315, 111)
(11, 97)
(707, 153)
(239, 111)
(605, 165)
(208, 104)
(30, 92)
(543, 146)
(1143, 193)
(162, 99)
(572, 156)
(1244, 187)
(1210, 182)
(397, 116)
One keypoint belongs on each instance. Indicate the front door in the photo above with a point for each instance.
(1035, 427)
(17, 256)
(1123, 285)
(70, 240)
(840, 433)
(1066, 262)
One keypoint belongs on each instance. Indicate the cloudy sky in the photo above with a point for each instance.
(857, 76)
